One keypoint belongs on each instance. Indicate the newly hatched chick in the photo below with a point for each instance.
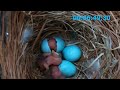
(52, 59)
(52, 43)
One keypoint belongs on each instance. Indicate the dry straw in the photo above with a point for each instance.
(99, 40)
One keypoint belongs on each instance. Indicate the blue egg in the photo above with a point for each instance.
(67, 68)
(72, 53)
(60, 45)
(45, 47)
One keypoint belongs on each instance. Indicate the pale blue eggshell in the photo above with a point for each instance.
(67, 68)
(45, 47)
(60, 44)
(72, 53)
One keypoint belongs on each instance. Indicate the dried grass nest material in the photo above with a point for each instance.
(99, 40)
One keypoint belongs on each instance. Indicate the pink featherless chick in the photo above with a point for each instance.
(52, 59)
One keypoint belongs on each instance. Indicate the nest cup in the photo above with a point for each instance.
(99, 41)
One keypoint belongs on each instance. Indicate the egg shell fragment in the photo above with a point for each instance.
(60, 44)
(45, 47)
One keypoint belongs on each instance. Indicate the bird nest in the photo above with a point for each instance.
(99, 41)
